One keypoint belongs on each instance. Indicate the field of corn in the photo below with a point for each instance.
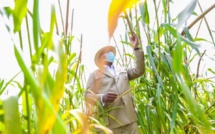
(175, 95)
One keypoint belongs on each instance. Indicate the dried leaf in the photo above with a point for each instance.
(115, 9)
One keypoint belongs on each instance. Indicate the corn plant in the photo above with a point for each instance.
(169, 97)
(51, 94)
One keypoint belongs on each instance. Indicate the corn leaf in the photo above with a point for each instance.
(148, 118)
(115, 9)
(177, 57)
(186, 13)
(82, 119)
(3, 87)
(36, 24)
(193, 106)
(11, 116)
(149, 51)
(145, 13)
(28, 73)
(19, 13)
(182, 38)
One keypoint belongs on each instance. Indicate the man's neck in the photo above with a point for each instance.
(108, 64)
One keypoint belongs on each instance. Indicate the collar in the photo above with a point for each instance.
(109, 67)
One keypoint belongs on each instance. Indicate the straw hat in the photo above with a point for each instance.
(100, 53)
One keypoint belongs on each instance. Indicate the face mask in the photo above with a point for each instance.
(109, 57)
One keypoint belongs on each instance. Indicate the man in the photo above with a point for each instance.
(109, 88)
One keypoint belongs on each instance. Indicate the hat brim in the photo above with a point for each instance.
(99, 53)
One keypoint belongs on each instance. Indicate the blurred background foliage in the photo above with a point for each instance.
(169, 98)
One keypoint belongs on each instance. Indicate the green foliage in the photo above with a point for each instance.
(19, 13)
(184, 15)
(11, 116)
(166, 96)
(169, 98)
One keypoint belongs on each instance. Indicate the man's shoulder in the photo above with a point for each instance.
(96, 72)
(120, 70)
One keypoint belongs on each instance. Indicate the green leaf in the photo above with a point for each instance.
(11, 116)
(177, 57)
(167, 61)
(187, 33)
(19, 13)
(172, 30)
(8, 11)
(149, 51)
(193, 107)
(5, 86)
(1, 85)
(164, 2)
(71, 57)
(200, 39)
(1, 116)
(145, 13)
(210, 70)
(59, 126)
(148, 119)
(28, 75)
(175, 105)
(36, 24)
(129, 55)
(184, 15)
(192, 44)
(159, 109)
(182, 38)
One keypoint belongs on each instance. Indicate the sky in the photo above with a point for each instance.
(90, 20)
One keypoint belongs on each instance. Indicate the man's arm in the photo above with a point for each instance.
(139, 68)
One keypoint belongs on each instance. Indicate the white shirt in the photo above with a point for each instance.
(110, 69)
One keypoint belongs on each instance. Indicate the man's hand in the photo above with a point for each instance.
(134, 40)
(109, 97)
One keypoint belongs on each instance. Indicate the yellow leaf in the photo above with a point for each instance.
(82, 119)
(115, 9)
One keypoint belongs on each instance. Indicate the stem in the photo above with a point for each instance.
(196, 20)
(159, 47)
(124, 57)
(3, 88)
(72, 19)
(213, 77)
(79, 61)
(29, 38)
(67, 16)
(212, 106)
(128, 22)
(146, 33)
(36, 26)
(197, 32)
(145, 28)
(120, 55)
(138, 27)
(28, 110)
(20, 40)
(200, 17)
(61, 15)
(206, 22)
(197, 73)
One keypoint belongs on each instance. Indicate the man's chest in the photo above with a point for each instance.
(105, 82)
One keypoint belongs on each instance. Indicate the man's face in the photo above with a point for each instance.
(103, 58)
